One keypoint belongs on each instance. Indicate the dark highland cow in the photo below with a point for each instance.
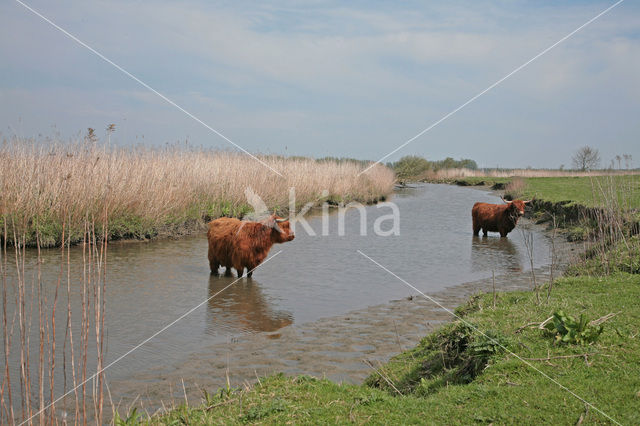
(240, 244)
(496, 217)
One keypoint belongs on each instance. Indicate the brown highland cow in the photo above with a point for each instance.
(496, 217)
(240, 244)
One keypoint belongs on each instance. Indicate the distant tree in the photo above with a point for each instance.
(586, 158)
(411, 166)
(627, 160)
(619, 160)
(468, 164)
(448, 163)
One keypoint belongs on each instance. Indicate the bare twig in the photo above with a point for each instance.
(226, 402)
(549, 358)
(493, 280)
(604, 318)
(543, 323)
(583, 415)
(540, 325)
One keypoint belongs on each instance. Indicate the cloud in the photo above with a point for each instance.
(353, 79)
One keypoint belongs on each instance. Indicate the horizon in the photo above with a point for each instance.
(331, 80)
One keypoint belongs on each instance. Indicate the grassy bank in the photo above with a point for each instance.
(594, 191)
(460, 376)
(497, 364)
(149, 192)
(588, 191)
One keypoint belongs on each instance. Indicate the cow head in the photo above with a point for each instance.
(516, 208)
(280, 229)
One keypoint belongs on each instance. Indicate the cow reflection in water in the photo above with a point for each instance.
(498, 254)
(242, 307)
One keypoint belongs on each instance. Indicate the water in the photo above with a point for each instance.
(149, 285)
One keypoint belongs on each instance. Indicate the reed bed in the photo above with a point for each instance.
(146, 191)
(614, 243)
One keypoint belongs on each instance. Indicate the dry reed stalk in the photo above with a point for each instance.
(25, 381)
(614, 223)
(554, 257)
(41, 334)
(528, 243)
(7, 407)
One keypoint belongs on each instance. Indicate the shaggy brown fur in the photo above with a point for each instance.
(496, 217)
(238, 244)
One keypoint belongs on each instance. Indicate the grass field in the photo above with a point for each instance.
(588, 191)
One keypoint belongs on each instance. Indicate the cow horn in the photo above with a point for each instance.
(278, 220)
(505, 200)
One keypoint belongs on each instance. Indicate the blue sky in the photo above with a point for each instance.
(350, 79)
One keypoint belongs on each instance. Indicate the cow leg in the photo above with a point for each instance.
(484, 232)
(503, 234)
(240, 271)
(476, 228)
(214, 265)
(227, 271)
(251, 267)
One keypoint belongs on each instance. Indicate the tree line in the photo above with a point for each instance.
(414, 165)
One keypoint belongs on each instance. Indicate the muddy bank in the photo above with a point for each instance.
(333, 347)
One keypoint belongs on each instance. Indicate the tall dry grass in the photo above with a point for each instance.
(44, 184)
(615, 224)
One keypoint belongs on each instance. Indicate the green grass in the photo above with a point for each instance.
(584, 190)
(460, 376)
(587, 191)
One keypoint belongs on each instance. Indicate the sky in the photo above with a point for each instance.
(330, 78)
